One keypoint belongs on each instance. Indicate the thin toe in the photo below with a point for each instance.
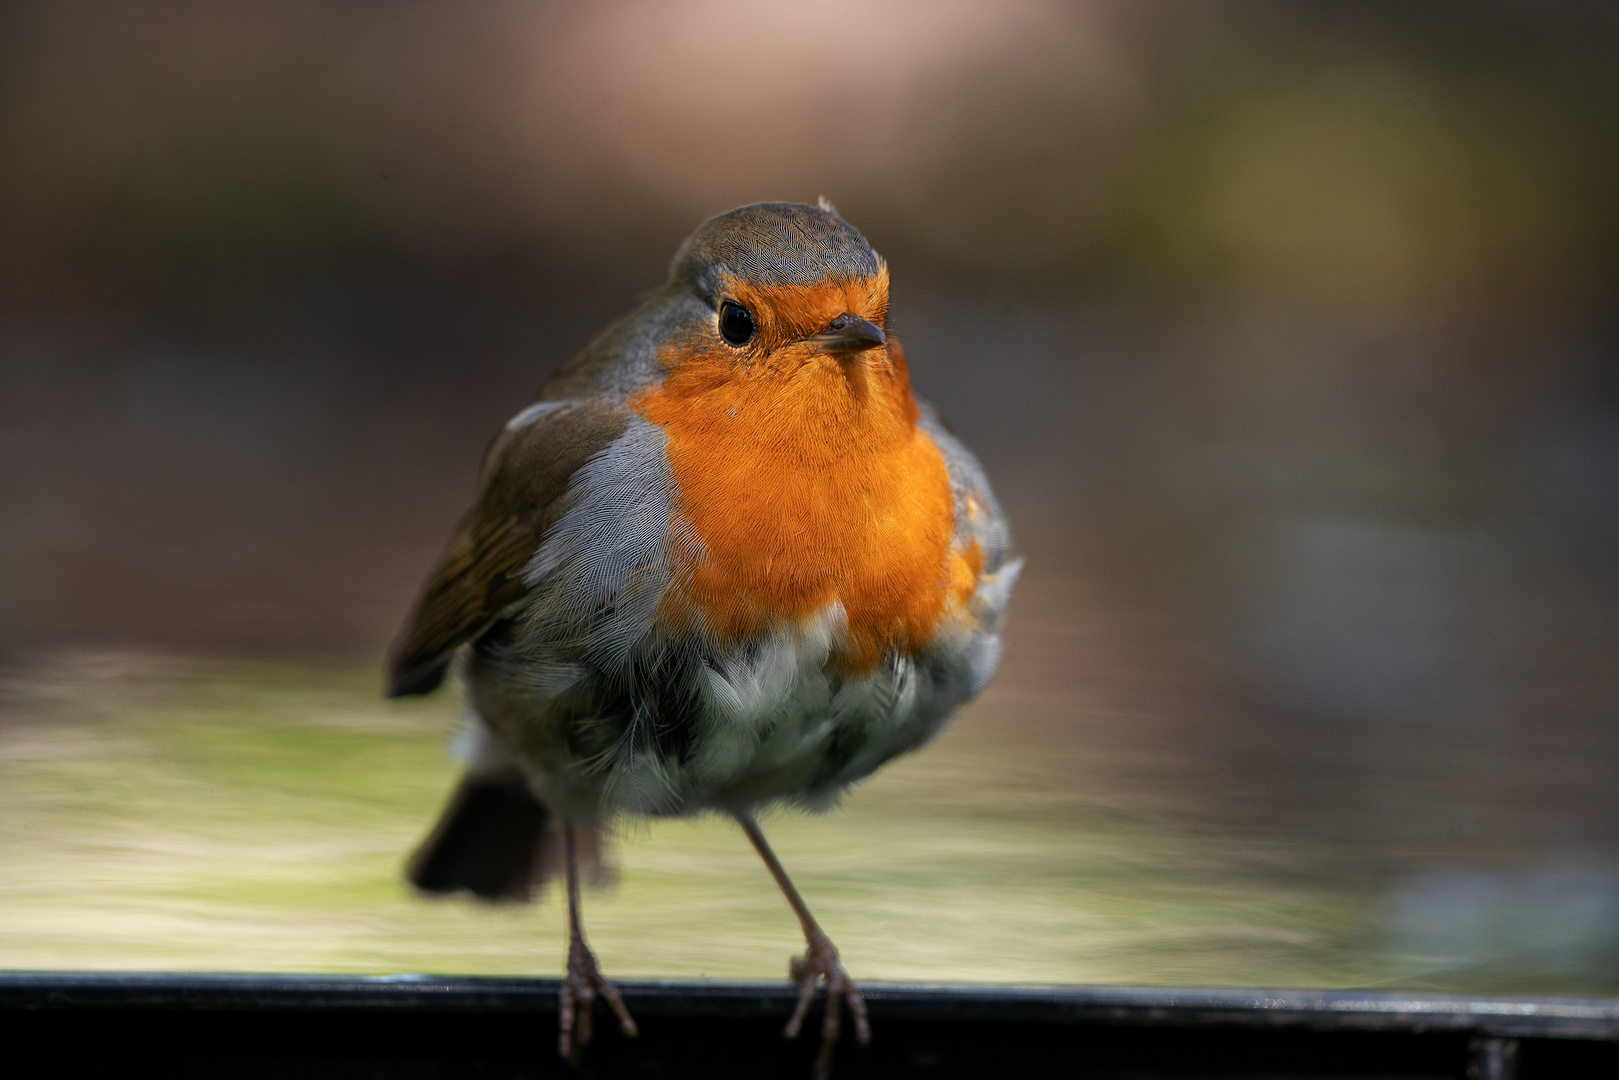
(576, 999)
(857, 1009)
(831, 1024)
(810, 971)
(807, 983)
(615, 1001)
(565, 1015)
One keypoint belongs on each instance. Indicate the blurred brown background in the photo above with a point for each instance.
(1288, 333)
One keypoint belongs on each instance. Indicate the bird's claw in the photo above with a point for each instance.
(820, 963)
(578, 994)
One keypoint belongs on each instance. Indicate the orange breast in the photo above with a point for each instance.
(807, 481)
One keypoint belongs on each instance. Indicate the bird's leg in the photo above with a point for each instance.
(584, 980)
(819, 962)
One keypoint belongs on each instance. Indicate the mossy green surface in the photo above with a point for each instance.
(173, 813)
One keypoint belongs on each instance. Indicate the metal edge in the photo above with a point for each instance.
(1362, 1010)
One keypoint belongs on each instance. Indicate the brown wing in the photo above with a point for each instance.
(522, 493)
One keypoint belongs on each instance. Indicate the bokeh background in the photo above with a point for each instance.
(1288, 333)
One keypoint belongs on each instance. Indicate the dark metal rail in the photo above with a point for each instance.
(429, 1026)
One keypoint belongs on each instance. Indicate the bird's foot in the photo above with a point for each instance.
(578, 994)
(820, 963)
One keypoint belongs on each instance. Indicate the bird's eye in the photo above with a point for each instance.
(736, 324)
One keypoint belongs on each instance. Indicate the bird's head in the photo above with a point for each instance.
(787, 287)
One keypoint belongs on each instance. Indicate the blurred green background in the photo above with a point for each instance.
(1288, 333)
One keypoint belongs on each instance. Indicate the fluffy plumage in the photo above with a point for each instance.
(707, 575)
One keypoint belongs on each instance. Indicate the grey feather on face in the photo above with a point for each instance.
(772, 244)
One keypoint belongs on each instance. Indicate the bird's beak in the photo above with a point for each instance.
(848, 334)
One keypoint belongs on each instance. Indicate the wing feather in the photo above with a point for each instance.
(522, 493)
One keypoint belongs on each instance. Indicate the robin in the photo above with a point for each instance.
(724, 561)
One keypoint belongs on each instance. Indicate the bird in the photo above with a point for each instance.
(724, 561)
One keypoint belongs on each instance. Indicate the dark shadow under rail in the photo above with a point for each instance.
(320, 1026)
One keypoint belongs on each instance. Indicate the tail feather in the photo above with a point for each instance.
(490, 841)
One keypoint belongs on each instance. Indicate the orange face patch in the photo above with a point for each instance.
(806, 479)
